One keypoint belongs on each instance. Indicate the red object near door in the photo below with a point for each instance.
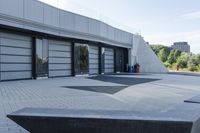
(138, 69)
(177, 67)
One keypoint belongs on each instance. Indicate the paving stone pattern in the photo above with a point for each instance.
(154, 96)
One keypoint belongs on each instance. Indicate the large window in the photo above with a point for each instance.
(81, 58)
(41, 58)
(102, 60)
(119, 60)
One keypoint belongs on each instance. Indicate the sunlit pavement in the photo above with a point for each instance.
(185, 73)
(143, 93)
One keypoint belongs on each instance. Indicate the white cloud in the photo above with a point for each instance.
(192, 15)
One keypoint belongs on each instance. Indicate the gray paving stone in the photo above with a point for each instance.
(195, 99)
(144, 98)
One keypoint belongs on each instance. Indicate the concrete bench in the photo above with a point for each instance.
(41, 120)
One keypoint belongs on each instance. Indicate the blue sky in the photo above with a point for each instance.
(158, 21)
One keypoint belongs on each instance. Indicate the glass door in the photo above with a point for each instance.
(119, 60)
(41, 58)
(102, 60)
(81, 57)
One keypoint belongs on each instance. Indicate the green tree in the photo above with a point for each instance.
(177, 54)
(157, 47)
(198, 58)
(194, 59)
(193, 63)
(167, 51)
(171, 58)
(162, 55)
(183, 60)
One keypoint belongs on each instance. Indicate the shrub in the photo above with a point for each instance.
(183, 60)
(167, 64)
(192, 68)
(198, 67)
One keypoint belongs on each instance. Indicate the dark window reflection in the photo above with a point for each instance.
(41, 58)
(119, 60)
(81, 58)
(102, 59)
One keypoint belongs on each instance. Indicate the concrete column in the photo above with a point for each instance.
(129, 56)
(134, 49)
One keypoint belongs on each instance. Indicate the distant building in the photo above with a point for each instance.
(181, 46)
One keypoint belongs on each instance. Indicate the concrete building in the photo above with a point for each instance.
(181, 46)
(38, 40)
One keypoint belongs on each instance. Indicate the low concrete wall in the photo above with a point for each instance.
(144, 55)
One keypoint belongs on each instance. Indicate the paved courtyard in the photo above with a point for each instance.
(141, 94)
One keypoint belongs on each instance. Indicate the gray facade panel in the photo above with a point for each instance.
(94, 56)
(60, 54)
(111, 33)
(94, 66)
(62, 73)
(93, 50)
(67, 20)
(109, 60)
(59, 66)
(94, 27)
(109, 70)
(109, 57)
(94, 71)
(51, 16)
(15, 67)
(13, 43)
(93, 60)
(59, 58)
(5, 35)
(59, 46)
(37, 16)
(15, 51)
(109, 65)
(0, 55)
(12, 7)
(16, 75)
(15, 57)
(103, 30)
(34, 10)
(81, 24)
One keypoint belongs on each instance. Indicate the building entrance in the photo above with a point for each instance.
(41, 58)
(81, 59)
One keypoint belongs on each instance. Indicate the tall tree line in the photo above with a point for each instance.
(171, 58)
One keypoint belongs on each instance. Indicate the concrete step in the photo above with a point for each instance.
(184, 118)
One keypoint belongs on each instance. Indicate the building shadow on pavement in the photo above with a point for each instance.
(99, 89)
(124, 81)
